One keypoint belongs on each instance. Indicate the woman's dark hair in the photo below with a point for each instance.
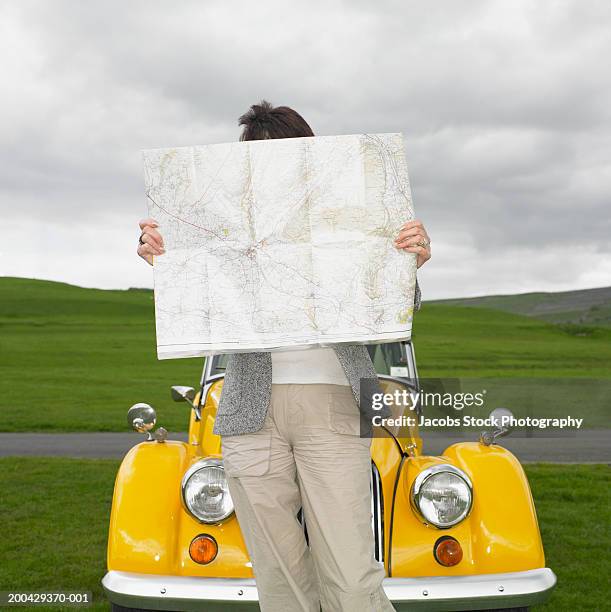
(263, 121)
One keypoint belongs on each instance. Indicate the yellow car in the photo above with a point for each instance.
(454, 532)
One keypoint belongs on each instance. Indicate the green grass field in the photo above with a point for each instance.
(74, 359)
(57, 512)
(580, 307)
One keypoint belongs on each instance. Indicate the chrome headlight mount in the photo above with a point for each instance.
(442, 496)
(204, 492)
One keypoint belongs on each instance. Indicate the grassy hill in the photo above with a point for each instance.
(583, 307)
(75, 359)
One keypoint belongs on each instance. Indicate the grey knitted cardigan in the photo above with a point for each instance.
(248, 384)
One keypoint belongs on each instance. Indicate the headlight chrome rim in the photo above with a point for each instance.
(420, 481)
(196, 467)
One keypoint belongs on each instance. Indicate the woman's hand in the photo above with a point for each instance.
(151, 242)
(414, 239)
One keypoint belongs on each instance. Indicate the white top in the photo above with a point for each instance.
(307, 366)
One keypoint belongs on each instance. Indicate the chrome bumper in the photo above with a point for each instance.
(153, 592)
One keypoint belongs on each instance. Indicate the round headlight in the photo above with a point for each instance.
(205, 493)
(442, 495)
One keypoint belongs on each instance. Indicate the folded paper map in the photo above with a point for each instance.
(277, 244)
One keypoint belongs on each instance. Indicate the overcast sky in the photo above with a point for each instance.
(505, 108)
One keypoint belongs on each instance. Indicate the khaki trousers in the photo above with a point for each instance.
(308, 455)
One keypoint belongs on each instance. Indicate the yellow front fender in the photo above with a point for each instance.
(145, 508)
(150, 530)
(508, 537)
(501, 534)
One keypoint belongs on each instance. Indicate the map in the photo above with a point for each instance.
(279, 244)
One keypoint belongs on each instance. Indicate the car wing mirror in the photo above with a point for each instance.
(142, 418)
(180, 393)
(500, 419)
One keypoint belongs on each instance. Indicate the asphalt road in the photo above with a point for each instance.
(585, 446)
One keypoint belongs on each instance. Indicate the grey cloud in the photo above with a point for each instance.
(504, 105)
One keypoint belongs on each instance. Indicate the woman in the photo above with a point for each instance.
(289, 422)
